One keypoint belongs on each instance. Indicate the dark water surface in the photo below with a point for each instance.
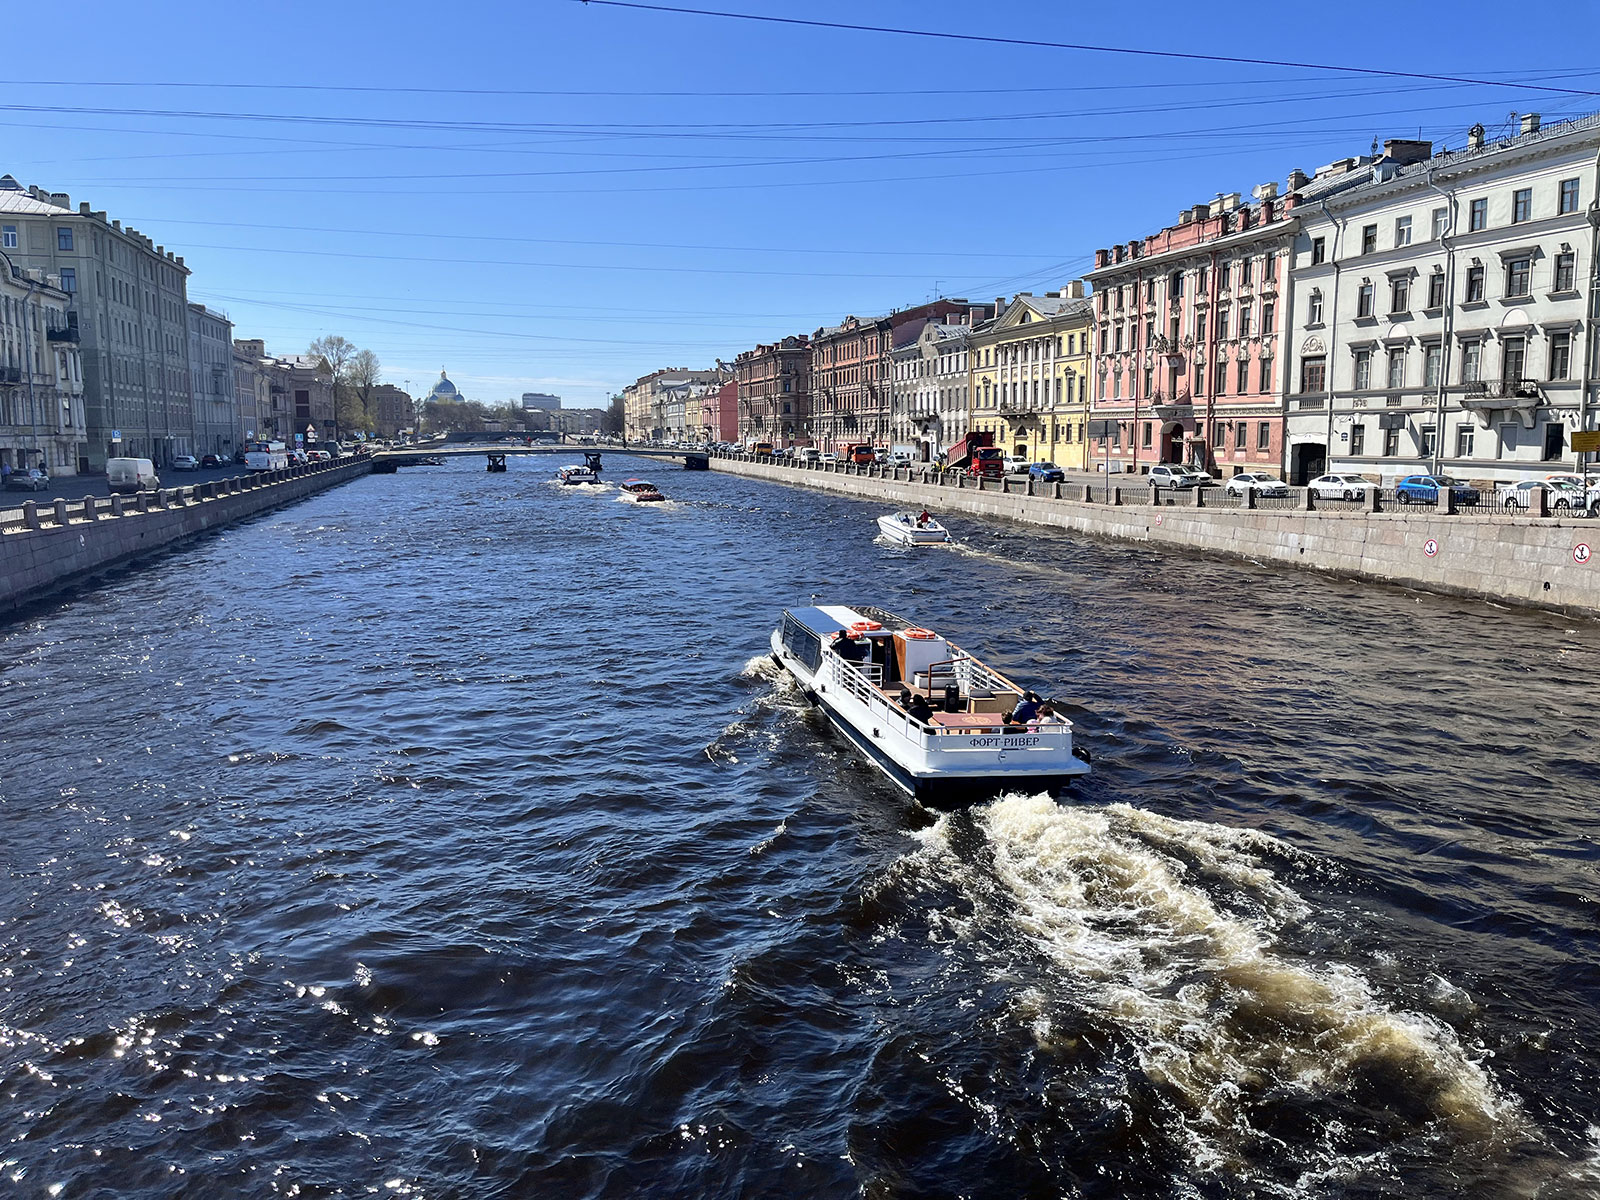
(447, 835)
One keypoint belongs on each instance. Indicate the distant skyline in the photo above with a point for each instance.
(592, 192)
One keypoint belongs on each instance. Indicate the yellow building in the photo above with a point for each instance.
(1030, 377)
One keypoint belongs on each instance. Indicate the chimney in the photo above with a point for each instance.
(1475, 138)
(1265, 191)
(62, 200)
(1073, 290)
(1297, 180)
(1101, 258)
(1404, 152)
(1200, 212)
(116, 223)
(1530, 122)
(999, 305)
(1185, 217)
(83, 208)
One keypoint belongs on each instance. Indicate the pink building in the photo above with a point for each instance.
(1190, 326)
(719, 414)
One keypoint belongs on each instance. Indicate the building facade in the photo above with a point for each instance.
(1189, 329)
(1030, 377)
(653, 406)
(852, 371)
(130, 307)
(41, 374)
(930, 390)
(393, 411)
(773, 388)
(211, 382)
(719, 414)
(1443, 306)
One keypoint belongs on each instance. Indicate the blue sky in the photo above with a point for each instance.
(555, 196)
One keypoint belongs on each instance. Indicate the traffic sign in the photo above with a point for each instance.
(116, 435)
(1430, 547)
(1587, 442)
(298, 438)
(1581, 553)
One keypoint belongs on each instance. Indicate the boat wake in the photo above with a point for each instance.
(1175, 933)
(781, 697)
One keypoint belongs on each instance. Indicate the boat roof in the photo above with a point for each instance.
(830, 618)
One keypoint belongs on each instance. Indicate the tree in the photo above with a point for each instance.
(365, 375)
(336, 352)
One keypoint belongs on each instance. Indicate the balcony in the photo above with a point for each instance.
(1165, 407)
(10, 374)
(1484, 397)
(69, 334)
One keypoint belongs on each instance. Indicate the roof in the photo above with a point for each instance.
(15, 200)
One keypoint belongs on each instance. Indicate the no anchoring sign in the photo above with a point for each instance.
(1430, 547)
(1581, 553)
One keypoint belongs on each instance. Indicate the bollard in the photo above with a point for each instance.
(117, 507)
(1445, 500)
(1029, 485)
(1308, 501)
(142, 502)
(1116, 494)
(1088, 493)
(1248, 498)
(30, 514)
(1056, 487)
(61, 513)
(1369, 499)
(89, 513)
(1199, 497)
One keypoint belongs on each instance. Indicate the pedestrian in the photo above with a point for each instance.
(920, 709)
(5, 474)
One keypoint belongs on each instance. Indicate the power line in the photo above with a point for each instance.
(1085, 47)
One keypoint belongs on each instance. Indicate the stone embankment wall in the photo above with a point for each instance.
(57, 543)
(1545, 562)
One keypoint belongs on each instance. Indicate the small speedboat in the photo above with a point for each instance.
(912, 529)
(642, 491)
(576, 474)
(940, 724)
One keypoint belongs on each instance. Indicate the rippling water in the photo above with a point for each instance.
(448, 835)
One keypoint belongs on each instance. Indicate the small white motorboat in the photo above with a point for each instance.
(575, 474)
(913, 529)
(642, 491)
(939, 723)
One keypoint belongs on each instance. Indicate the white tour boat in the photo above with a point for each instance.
(910, 529)
(963, 747)
(578, 475)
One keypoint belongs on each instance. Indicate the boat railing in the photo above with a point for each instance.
(863, 680)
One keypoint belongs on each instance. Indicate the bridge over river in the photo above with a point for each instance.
(387, 462)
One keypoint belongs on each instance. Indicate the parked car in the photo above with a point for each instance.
(318, 455)
(1046, 471)
(1339, 487)
(828, 458)
(1013, 464)
(808, 454)
(1176, 475)
(1255, 481)
(1563, 496)
(131, 475)
(185, 462)
(898, 458)
(238, 457)
(28, 479)
(209, 461)
(1424, 489)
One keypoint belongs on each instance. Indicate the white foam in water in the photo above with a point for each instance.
(1121, 900)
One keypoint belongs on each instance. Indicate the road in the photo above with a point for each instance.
(76, 487)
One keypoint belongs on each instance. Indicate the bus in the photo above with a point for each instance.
(265, 456)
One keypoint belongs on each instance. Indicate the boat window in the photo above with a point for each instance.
(802, 642)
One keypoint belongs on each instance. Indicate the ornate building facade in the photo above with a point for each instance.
(1030, 377)
(41, 374)
(773, 384)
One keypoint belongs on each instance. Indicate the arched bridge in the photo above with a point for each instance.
(387, 462)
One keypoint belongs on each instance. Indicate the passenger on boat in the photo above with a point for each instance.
(1047, 716)
(924, 517)
(920, 709)
(848, 645)
(1026, 711)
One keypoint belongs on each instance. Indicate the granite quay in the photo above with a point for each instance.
(47, 547)
(1522, 558)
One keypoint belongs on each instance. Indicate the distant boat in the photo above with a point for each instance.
(642, 490)
(939, 723)
(909, 529)
(576, 474)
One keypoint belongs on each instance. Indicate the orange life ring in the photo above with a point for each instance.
(865, 626)
(919, 635)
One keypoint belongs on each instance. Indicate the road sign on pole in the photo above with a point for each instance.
(1586, 442)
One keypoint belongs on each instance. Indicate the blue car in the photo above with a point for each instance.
(1424, 489)
(1046, 471)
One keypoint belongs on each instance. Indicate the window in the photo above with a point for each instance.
(1521, 205)
(1369, 239)
(1364, 301)
(1319, 250)
(1427, 437)
(1313, 373)
(1478, 215)
(1268, 311)
(1402, 231)
(1247, 269)
(1219, 435)
(1358, 438)
(1561, 280)
(1314, 312)
(1464, 441)
(1560, 355)
(1361, 374)
(1116, 336)
(1471, 362)
(1391, 442)
(1569, 196)
(1241, 377)
(1269, 268)
(1518, 277)
(1200, 282)
(1224, 273)
(1441, 223)
(69, 279)
(1397, 367)
(1264, 375)
(1555, 441)
(1219, 377)
(1222, 324)
(1247, 314)
(1241, 431)
(1432, 359)
(1175, 286)
(8, 237)
(1436, 290)
(1475, 277)
(1513, 358)
(64, 237)
(1400, 295)
(1146, 437)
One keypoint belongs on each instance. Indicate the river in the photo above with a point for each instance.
(448, 834)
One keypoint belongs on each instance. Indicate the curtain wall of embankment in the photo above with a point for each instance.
(1537, 562)
(70, 541)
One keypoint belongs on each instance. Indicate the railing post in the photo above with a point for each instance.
(1445, 500)
(1370, 495)
(1538, 502)
(30, 514)
(1248, 499)
(1088, 493)
(1056, 487)
(117, 507)
(1308, 501)
(61, 513)
(1116, 494)
(89, 509)
(1199, 497)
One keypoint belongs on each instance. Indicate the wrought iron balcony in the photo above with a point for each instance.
(1509, 392)
(68, 334)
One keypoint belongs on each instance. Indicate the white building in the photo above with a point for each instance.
(41, 374)
(217, 427)
(929, 391)
(1438, 308)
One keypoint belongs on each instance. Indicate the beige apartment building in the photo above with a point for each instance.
(41, 374)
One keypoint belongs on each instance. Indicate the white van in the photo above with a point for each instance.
(131, 475)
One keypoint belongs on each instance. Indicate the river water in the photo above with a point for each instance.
(448, 835)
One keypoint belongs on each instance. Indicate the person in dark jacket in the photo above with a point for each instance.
(920, 709)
